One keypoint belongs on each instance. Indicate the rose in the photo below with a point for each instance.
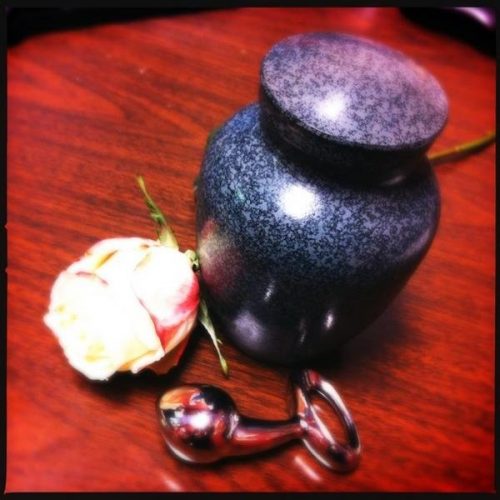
(126, 305)
(129, 304)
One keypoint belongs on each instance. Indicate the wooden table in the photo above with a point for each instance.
(88, 109)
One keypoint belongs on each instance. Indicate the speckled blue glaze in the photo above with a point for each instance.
(364, 108)
(296, 256)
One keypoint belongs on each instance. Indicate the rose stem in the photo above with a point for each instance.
(462, 150)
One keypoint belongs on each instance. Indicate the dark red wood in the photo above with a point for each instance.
(88, 109)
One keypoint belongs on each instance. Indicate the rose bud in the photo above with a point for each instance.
(126, 305)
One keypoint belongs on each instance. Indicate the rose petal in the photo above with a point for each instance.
(127, 304)
(117, 270)
(97, 255)
(97, 328)
(167, 287)
(169, 360)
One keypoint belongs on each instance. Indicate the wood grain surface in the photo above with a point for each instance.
(90, 108)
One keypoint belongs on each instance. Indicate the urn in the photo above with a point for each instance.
(316, 203)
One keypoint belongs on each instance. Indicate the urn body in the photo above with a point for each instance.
(302, 244)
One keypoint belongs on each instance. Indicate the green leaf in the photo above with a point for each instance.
(204, 319)
(193, 257)
(163, 230)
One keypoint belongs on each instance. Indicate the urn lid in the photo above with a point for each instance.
(350, 102)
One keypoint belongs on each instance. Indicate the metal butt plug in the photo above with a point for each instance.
(201, 424)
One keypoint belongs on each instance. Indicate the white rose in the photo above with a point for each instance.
(126, 305)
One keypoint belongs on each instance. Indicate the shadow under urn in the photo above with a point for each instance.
(317, 203)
